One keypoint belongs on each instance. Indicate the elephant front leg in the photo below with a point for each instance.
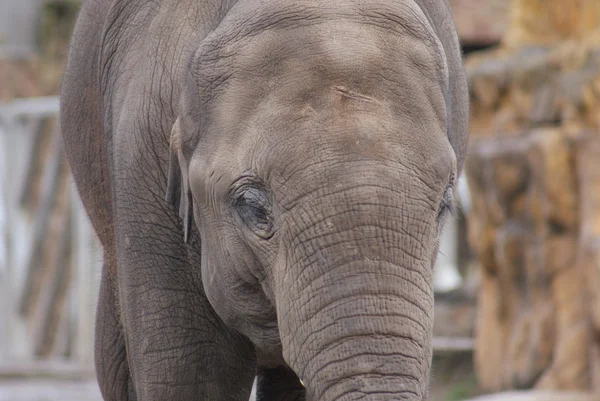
(279, 384)
(112, 368)
(177, 347)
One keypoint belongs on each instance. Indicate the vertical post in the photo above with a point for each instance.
(5, 306)
(8, 141)
(83, 261)
(446, 276)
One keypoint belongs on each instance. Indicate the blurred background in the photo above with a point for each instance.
(518, 277)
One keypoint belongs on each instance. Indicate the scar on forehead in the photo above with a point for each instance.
(348, 94)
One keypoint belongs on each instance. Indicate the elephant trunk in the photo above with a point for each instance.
(356, 318)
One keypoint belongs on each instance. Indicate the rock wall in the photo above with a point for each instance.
(534, 175)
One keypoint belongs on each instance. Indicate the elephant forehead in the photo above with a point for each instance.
(262, 32)
(333, 123)
(355, 90)
(297, 64)
(376, 50)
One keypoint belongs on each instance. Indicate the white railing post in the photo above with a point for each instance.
(5, 257)
(446, 275)
(85, 277)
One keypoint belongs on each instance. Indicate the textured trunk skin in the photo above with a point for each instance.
(364, 343)
(357, 319)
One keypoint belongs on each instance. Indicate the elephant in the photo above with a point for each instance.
(268, 180)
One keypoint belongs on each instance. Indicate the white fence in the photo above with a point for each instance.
(48, 295)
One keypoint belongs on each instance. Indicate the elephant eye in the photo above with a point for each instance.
(254, 207)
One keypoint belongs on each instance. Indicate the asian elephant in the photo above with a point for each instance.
(268, 179)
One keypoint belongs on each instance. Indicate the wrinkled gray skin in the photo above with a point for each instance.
(313, 150)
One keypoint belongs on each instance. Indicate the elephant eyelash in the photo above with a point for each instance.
(248, 180)
(252, 196)
(447, 205)
(451, 209)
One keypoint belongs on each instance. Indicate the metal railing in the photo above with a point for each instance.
(49, 256)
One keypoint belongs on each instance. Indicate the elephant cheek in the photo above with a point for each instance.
(239, 304)
(213, 288)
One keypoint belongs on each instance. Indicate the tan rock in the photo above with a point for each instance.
(553, 188)
(480, 22)
(532, 329)
(535, 22)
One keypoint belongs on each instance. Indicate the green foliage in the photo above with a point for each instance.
(453, 378)
(62, 7)
(58, 20)
(462, 390)
(56, 25)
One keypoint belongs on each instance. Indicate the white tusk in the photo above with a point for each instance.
(301, 382)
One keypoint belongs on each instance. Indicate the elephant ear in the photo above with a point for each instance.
(178, 180)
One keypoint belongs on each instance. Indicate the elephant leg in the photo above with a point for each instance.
(279, 384)
(177, 346)
(112, 368)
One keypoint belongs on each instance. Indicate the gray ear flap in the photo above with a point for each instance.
(178, 180)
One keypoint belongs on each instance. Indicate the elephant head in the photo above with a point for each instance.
(316, 149)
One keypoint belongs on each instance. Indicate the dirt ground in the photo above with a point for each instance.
(452, 380)
(49, 390)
